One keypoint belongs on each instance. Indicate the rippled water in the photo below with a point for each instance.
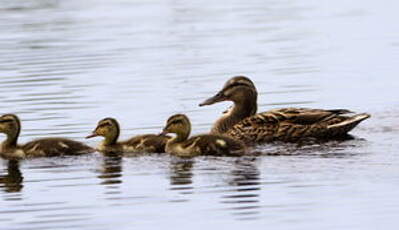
(66, 64)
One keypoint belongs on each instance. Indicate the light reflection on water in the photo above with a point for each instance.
(66, 64)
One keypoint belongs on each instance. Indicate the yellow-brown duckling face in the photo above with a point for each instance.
(107, 127)
(179, 124)
(236, 89)
(10, 124)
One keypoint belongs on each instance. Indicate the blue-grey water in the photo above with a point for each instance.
(64, 65)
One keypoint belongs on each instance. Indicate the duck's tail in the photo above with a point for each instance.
(346, 125)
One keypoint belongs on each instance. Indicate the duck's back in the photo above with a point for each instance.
(293, 124)
(150, 143)
(217, 145)
(55, 147)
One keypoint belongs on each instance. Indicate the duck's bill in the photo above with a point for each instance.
(212, 100)
(92, 135)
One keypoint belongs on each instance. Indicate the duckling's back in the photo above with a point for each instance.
(55, 147)
(218, 145)
(150, 143)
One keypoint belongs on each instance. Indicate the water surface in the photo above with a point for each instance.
(64, 65)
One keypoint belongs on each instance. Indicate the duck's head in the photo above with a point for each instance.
(239, 89)
(108, 128)
(178, 124)
(10, 125)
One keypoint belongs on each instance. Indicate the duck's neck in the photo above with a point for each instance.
(240, 111)
(10, 142)
(111, 138)
(180, 137)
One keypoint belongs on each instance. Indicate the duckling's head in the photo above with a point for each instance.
(178, 124)
(108, 128)
(239, 89)
(10, 125)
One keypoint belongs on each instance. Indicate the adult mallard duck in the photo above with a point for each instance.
(109, 129)
(288, 124)
(10, 125)
(207, 144)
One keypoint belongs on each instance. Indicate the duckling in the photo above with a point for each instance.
(109, 129)
(183, 146)
(241, 122)
(10, 125)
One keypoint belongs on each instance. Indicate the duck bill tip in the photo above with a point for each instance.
(211, 101)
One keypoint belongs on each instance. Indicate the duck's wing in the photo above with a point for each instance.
(292, 124)
(55, 147)
(260, 127)
(306, 116)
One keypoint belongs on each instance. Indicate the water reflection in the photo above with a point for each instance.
(12, 180)
(181, 175)
(25, 5)
(111, 169)
(64, 64)
(245, 180)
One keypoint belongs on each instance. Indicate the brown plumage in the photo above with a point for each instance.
(109, 129)
(205, 144)
(45, 147)
(287, 124)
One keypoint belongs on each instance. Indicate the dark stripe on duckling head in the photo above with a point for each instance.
(178, 118)
(179, 124)
(110, 122)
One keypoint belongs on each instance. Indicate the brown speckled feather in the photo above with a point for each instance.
(305, 116)
(55, 147)
(293, 124)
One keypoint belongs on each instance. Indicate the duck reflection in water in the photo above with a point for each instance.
(245, 180)
(12, 181)
(111, 169)
(181, 175)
